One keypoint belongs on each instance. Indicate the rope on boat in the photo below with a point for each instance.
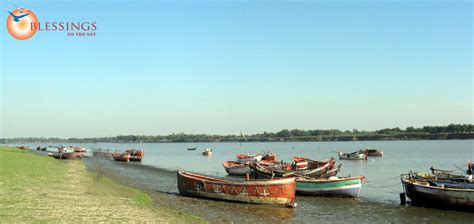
(379, 183)
(172, 185)
(382, 180)
(391, 185)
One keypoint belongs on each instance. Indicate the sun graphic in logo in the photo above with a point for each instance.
(19, 23)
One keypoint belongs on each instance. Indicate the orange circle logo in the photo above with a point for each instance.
(19, 23)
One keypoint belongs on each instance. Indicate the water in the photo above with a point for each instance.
(379, 198)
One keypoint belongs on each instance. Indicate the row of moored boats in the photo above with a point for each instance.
(269, 181)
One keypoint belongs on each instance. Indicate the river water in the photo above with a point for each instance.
(379, 198)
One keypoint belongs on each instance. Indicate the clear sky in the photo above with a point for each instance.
(158, 67)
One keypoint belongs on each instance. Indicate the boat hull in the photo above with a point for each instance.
(352, 156)
(235, 168)
(121, 157)
(238, 171)
(375, 152)
(439, 197)
(67, 155)
(275, 192)
(343, 187)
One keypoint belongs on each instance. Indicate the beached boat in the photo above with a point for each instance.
(426, 193)
(374, 152)
(123, 157)
(207, 152)
(67, 154)
(136, 154)
(80, 149)
(236, 168)
(192, 149)
(245, 158)
(332, 186)
(357, 155)
(62, 149)
(276, 191)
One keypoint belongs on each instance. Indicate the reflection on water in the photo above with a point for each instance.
(378, 200)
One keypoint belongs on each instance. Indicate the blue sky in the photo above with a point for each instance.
(221, 67)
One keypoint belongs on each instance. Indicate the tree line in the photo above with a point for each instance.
(452, 131)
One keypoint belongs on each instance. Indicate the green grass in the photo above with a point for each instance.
(23, 169)
(29, 182)
(105, 186)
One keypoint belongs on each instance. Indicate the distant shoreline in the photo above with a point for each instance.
(452, 131)
(223, 139)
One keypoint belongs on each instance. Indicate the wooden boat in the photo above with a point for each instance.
(207, 152)
(236, 168)
(332, 186)
(80, 149)
(422, 193)
(357, 155)
(374, 152)
(312, 164)
(275, 192)
(67, 154)
(268, 156)
(193, 148)
(241, 169)
(62, 149)
(263, 171)
(245, 158)
(123, 157)
(136, 154)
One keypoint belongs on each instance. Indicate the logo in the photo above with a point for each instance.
(19, 23)
(22, 24)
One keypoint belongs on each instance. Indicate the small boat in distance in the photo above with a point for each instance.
(374, 152)
(129, 155)
(207, 152)
(274, 192)
(192, 149)
(357, 155)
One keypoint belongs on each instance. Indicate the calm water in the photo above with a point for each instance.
(379, 197)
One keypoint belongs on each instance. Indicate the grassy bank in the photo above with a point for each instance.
(36, 188)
